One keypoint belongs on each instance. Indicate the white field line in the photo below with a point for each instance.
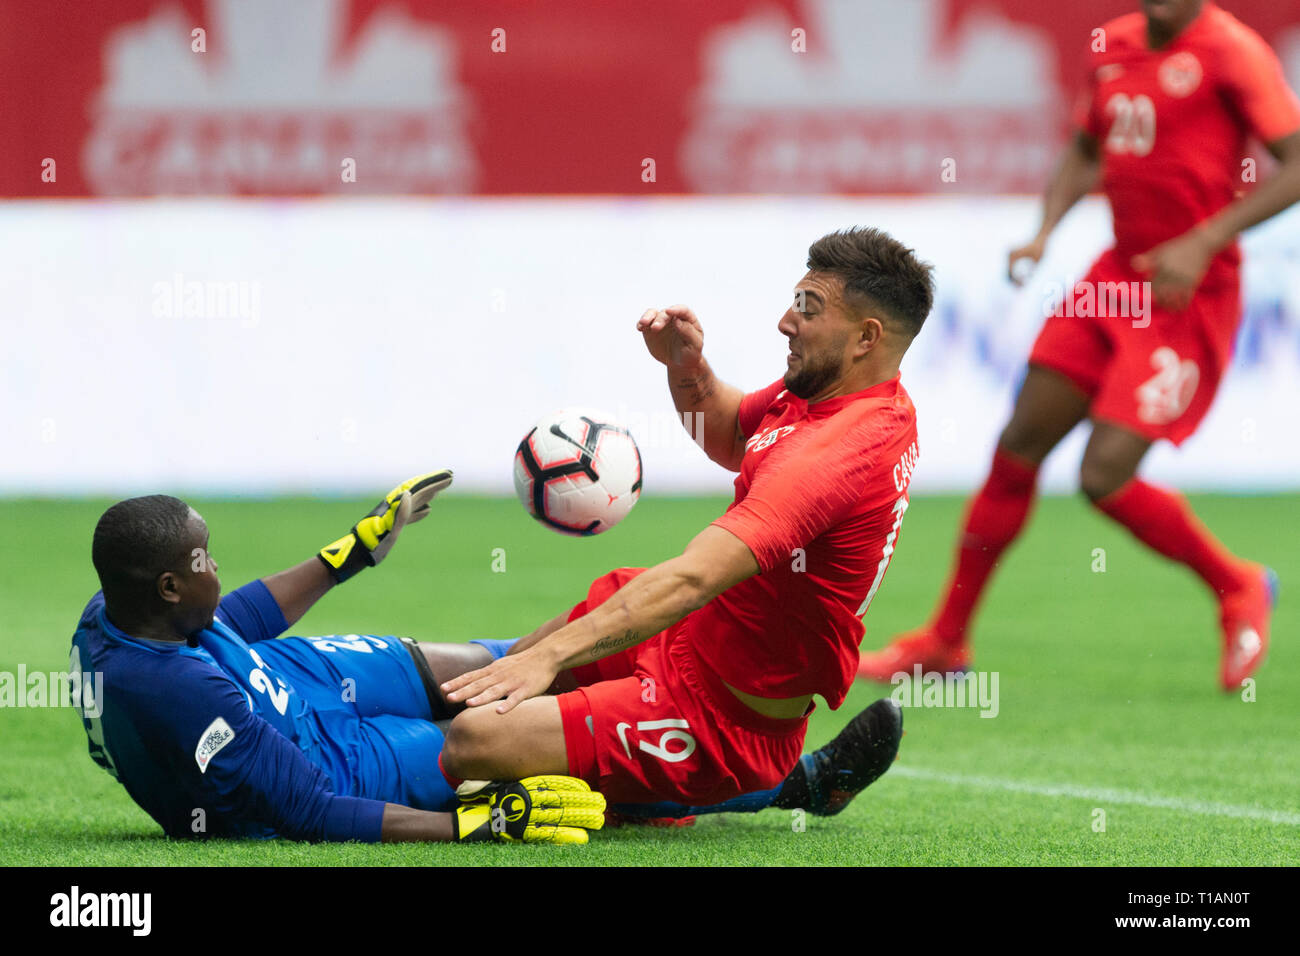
(1101, 795)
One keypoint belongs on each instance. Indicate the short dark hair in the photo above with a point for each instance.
(135, 541)
(878, 268)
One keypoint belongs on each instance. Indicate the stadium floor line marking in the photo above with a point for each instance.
(1101, 795)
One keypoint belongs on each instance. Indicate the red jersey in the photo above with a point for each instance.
(819, 501)
(1173, 123)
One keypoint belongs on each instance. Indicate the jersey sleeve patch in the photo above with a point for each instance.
(217, 735)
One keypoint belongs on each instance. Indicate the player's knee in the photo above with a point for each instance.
(470, 744)
(1024, 442)
(1099, 477)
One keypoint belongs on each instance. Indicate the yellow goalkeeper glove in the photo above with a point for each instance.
(373, 536)
(546, 809)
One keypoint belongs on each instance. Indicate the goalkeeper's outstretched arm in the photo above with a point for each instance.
(297, 588)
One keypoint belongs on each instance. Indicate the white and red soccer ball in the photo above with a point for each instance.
(578, 472)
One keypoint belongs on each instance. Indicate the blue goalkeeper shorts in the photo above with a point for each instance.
(372, 712)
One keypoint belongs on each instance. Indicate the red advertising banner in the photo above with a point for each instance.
(291, 97)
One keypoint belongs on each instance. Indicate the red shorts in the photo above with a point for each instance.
(1148, 369)
(653, 723)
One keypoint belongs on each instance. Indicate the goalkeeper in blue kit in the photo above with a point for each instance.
(217, 728)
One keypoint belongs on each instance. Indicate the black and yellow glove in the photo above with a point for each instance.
(373, 536)
(547, 809)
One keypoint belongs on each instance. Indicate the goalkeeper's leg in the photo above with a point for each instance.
(437, 663)
(442, 662)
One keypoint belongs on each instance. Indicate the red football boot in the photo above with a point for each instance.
(902, 654)
(1244, 617)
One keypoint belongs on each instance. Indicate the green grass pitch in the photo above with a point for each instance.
(1107, 685)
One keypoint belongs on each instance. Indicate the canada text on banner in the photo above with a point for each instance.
(312, 97)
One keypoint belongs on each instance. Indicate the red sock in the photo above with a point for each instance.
(1163, 521)
(995, 517)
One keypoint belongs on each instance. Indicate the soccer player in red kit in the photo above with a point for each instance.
(693, 680)
(1173, 97)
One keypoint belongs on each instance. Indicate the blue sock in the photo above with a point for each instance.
(498, 649)
(745, 803)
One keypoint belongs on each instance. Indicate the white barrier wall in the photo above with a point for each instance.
(337, 346)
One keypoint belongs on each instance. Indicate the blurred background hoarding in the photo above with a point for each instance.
(320, 243)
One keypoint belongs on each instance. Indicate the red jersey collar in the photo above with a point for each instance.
(887, 388)
(1208, 11)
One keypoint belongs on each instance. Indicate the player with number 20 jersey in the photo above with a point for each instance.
(1140, 344)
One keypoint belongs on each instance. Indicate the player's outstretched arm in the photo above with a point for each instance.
(296, 589)
(652, 601)
(710, 408)
(1075, 176)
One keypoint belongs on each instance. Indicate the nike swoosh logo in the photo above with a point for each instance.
(555, 430)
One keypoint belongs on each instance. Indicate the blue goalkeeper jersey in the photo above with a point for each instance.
(212, 740)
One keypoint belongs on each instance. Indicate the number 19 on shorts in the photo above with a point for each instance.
(674, 743)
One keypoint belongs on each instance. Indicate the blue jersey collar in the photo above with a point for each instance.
(117, 634)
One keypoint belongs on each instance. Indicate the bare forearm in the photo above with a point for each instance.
(709, 408)
(714, 561)
(1278, 192)
(550, 627)
(408, 825)
(1075, 177)
(297, 588)
(652, 601)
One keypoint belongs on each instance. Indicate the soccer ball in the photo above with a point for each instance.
(578, 472)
